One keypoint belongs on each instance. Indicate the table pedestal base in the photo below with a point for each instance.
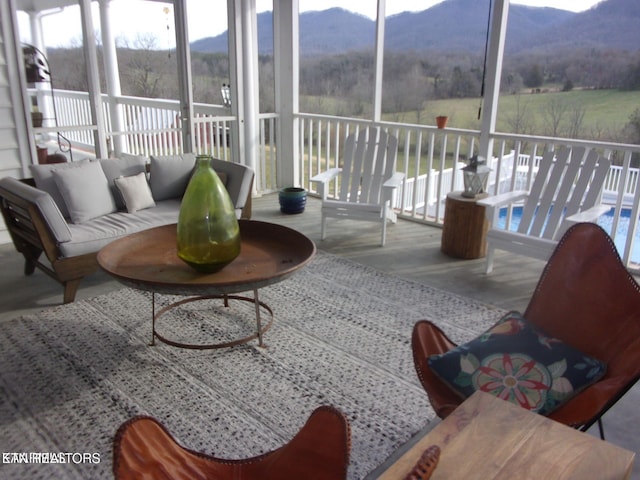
(259, 328)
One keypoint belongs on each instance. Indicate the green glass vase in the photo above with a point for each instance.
(208, 232)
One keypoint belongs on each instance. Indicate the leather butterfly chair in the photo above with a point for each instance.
(586, 298)
(143, 448)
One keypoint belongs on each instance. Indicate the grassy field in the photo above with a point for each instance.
(606, 112)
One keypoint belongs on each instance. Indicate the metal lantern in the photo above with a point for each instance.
(476, 175)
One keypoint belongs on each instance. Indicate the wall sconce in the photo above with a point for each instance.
(226, 95)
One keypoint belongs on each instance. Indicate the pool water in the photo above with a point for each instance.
(605, 221)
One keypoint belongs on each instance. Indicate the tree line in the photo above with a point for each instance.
(341, 84)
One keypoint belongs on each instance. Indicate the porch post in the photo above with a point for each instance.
(236, 80)
(244, 84)
(44, 101)
(377, 90)
(286, 59)
(183, 55)
(112, 78)
(91, 59)
(493, 72)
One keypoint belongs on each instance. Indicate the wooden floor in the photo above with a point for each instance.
(412, 251)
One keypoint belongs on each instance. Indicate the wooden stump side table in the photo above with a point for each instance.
(465, 227)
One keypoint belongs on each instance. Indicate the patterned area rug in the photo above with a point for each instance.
(70, 375)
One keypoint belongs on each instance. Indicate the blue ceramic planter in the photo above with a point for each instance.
(292, 200)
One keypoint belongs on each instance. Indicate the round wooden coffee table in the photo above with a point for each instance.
(148, 260)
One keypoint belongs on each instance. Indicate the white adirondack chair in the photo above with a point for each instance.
(367, 180)
(567, 189)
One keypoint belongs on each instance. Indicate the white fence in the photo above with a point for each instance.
(430, 158)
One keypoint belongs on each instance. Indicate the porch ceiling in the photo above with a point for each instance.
(43, 5)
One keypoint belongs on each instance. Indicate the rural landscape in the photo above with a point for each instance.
(575, 75)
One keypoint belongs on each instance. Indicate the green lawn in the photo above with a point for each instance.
(606, 112)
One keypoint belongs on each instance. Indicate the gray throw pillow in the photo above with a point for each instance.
(169, 175)
(85, 191)
(125, 166)
(43, 176)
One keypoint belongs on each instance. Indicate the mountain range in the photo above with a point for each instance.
(456, 25)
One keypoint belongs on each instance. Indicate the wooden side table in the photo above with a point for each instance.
(465, 227)
(488, 438)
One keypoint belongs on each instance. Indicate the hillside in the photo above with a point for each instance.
(461, 25)
(610, 24)
(457, 25)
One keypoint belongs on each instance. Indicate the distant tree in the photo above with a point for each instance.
(520, 120)
(575, 120)
(567, 86)
(68, 69)
(632, 77)
(554, 113)
(632, 128)
(462, 83)
(267, 94)
(511, 82)
(533, 77)
(563, 117)
(147, 71)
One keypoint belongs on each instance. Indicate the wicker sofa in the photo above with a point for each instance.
(69, 211)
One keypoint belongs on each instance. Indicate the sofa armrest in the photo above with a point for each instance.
(239, 184)
(27, 208)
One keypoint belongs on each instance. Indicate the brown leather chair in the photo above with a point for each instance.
(143, 448)
(586, 298)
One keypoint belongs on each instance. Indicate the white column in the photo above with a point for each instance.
(91, 59)
(43, 101)
(377, 89)
(492, 76)
(183, 54)
(112, 77)
(235, 80)
(35, 25)
(243, 69)
(287, 83)
(250, 90)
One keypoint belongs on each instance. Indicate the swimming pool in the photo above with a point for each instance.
(605, 221)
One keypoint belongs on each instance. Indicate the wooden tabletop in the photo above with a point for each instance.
(488, 438)
(148, 260)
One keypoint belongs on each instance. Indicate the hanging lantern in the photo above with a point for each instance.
(476, 175)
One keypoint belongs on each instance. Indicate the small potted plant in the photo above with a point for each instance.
(292, 200)
(36, 117)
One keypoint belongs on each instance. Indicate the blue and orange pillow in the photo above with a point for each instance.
(517, 362)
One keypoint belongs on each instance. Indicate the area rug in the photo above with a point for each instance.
(70, 375)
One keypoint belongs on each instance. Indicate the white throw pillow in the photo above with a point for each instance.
(135, 191)
(85, 191)
(125, 166)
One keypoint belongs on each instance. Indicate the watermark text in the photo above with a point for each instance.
(50, 457)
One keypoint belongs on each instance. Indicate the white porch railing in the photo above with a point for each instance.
(430, 158)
